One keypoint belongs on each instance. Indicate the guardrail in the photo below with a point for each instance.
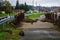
(3, 20)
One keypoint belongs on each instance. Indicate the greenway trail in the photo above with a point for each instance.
(40, 31)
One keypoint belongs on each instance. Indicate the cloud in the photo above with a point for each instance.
(37, 2)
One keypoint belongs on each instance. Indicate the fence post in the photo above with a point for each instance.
(3, 25)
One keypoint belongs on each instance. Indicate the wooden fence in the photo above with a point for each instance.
(53, 16)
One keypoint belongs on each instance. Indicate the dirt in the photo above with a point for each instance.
(37, 24)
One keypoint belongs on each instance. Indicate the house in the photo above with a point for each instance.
(36, 11)
(56, 9)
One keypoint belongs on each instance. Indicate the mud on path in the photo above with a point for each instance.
(37, 24)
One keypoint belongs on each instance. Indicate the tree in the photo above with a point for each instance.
(22, 6)
(30, 7)
(17, 5)
(2, 6)
(26, 7)
(8, 7)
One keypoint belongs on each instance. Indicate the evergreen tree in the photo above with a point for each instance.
(26, 7)
(22, 6)
(17, 5)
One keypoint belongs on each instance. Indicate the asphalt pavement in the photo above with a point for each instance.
(40, 34)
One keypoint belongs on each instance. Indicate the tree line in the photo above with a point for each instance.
(8, 8)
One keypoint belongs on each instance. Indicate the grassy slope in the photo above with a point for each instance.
(36, 15)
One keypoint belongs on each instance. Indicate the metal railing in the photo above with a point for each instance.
(3, 20)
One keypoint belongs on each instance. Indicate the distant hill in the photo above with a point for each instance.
(42, 8)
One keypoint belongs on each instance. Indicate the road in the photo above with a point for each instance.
(40, 31)
(38, 24)
(40, 34)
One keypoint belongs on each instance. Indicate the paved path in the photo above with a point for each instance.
(40, 31)
(40, 34)
(38, 24)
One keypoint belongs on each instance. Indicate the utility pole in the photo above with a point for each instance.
(33, 4)
(39, 7)
(36, 4)
(25, 0)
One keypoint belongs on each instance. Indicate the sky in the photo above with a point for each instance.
(46, 3)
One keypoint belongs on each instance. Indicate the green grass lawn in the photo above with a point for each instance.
(6, 14)
(36, 15)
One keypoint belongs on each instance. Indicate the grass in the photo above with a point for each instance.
(6, 26)
(6, 36)
(36, 15)
(15, 35)
(6, 14)
(58, 29)
(2, 14)
(15, 32)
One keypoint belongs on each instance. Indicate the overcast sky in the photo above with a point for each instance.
(46, 3)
